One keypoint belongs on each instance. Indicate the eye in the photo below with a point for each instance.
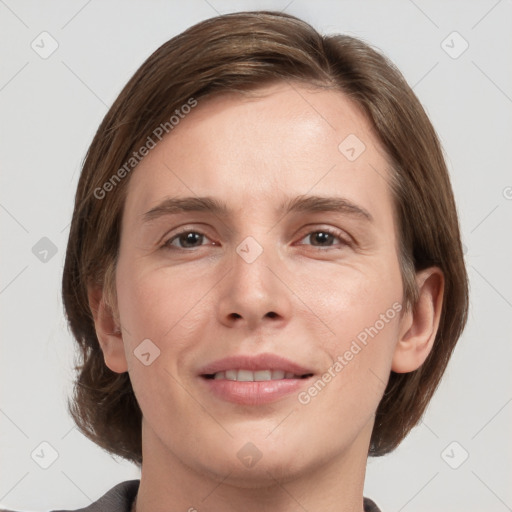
(325, 238)
(186, 240)
(192, 239)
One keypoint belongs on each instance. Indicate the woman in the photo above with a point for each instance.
(264, 271)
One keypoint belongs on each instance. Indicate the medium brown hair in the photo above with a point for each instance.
(233, 53)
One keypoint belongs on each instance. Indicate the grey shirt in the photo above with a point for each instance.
(121, 497)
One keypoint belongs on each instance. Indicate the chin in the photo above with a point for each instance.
(256, 462)
(266, 472)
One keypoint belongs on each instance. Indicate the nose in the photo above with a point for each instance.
(254, 293)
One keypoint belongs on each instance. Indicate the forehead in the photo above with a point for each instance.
(280, 138)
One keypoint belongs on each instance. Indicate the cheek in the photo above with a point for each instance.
(153, 306)
(152, 300)
(350, 299)
(167, 306)
(362, 308)
(363, 311)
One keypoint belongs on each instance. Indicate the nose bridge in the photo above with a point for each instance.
(251, 273)
(252, 291)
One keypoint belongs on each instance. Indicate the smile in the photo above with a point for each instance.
(254, 376)
(253, 379)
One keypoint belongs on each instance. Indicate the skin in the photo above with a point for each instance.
(204, 302)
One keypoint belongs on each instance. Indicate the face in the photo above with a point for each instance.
(289, 269)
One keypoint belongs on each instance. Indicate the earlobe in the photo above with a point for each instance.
(419, 326)
(108, 331)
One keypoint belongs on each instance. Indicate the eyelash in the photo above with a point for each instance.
(330, 231)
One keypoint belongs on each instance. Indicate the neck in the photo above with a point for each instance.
(331, 484)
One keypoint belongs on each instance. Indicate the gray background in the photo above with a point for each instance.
(50, 109)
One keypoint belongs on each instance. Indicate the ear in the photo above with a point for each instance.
(419, 326)
(107, 330)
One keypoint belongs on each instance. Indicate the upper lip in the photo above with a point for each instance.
(254, 363)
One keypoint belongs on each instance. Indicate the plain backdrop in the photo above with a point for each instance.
(456, 56)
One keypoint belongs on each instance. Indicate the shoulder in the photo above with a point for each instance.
(118, 499)
(370, 506)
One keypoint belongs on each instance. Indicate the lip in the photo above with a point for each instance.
(257, 392)
(264, 361)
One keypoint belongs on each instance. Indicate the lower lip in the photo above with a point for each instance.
(254, 393)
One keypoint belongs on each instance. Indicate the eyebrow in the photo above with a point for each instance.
(310, 204)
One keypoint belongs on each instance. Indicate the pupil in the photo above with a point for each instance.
(189, 238)
(321, 236)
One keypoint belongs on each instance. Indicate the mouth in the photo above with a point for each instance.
(243, 375)
(254, 380)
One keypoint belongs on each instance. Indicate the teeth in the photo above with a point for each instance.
(258, 376)
(245, 376)
(277, 374)
(263, 375)
(231, 374)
